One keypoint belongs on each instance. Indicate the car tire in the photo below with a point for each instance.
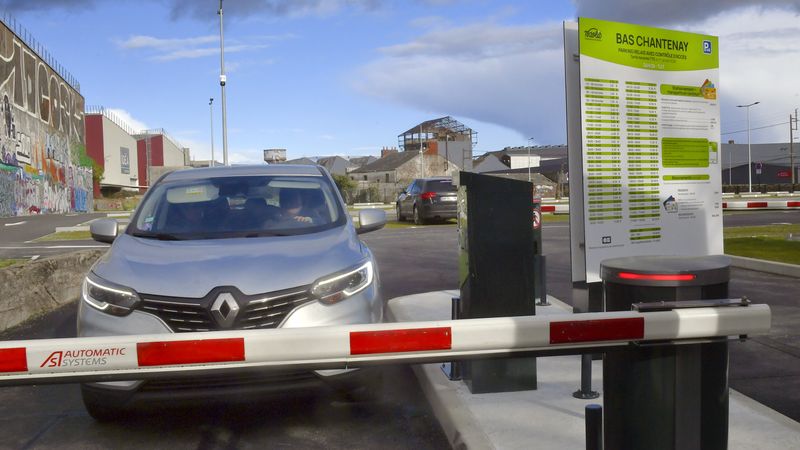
(400, 217)
(417, 218)
(100, 408)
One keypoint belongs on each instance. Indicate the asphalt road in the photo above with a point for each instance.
(17, 232)
(410, 261)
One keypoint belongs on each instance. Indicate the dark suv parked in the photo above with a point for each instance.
(427, 199)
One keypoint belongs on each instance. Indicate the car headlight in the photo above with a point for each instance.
(108, 297)
(337, 287)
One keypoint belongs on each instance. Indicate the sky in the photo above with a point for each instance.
(345, 77)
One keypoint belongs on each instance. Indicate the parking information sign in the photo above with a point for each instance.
(650, 140)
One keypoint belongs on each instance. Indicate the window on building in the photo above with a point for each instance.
(387, 177)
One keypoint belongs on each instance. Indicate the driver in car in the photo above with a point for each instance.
(292, 207)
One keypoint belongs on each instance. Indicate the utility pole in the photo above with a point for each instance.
(211, 108)
(222, 80)
(421, 155)
(792, 129)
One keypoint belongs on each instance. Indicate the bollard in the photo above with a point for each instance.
(542, 262)
(586, 392)
(594, 427)
(453, 368)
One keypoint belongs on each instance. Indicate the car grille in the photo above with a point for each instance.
(257, 311)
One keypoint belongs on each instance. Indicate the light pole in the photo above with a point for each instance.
(530, 142)
(222, 80)
(749, 155)
(211, 110)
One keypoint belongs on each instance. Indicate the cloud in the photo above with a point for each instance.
(171, 49)
(207, 11)
(31, 5)
(660, 12)
(126, 117)
(510, 76)
(759, 61)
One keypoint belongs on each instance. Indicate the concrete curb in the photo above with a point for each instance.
(760, 265)
(41, 286)
(459, 425)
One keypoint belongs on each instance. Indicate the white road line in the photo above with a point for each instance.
(55, 247)
(16, 223)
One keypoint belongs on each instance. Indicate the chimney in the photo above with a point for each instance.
(387, 151)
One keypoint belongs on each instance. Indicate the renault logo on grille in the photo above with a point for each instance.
(225, 309)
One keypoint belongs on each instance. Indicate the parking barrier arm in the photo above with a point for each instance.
(166, 355)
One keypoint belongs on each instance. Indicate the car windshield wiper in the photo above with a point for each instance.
(159, 236)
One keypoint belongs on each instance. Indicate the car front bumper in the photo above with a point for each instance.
(363, 307)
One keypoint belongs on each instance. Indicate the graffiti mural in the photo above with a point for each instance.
(41, 136)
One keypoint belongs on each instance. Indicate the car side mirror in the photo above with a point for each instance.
(104, 230)
(370, 220)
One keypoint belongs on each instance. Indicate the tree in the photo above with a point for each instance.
(346, 186)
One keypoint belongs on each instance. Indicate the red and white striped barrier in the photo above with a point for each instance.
(558, 208)
(769, 204)
(150, 356)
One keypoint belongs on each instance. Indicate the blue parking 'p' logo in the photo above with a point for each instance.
(707, 47)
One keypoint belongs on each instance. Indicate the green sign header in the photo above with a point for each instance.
(646, 47)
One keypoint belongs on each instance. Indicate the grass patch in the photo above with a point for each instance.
(67, 236)
(549, 217)
(768, 242)
(10, 262)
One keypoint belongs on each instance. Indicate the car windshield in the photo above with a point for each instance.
(440, 186)
(244, 206)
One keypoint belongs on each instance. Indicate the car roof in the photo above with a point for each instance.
(232, 171)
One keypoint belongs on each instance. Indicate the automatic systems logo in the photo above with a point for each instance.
(82, 358)
(593, 34)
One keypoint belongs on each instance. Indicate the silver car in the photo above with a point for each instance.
(230, 248)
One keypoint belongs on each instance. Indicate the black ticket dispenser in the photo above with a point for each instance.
(497, 272)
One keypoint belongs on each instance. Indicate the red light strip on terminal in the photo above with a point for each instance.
(13, 360)
(657, 276)
(190, 352)
(597, 330)
(757, 204)
(398, 341)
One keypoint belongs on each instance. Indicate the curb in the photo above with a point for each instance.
(760, 265)
(461, 427)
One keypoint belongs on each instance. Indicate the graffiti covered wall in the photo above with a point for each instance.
(41, 136)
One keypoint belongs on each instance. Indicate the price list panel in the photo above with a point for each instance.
(602, 150)
(641, 133)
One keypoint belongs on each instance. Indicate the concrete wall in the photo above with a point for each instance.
(41, 136)
(173, 154)
(40, 286)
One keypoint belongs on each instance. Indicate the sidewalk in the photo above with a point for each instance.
(550, 417)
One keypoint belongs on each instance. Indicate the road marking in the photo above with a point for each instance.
(54, 247)
(780, 223)
(16, 223)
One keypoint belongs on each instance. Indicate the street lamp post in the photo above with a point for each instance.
(222, 80)
(211, 109)
(749, 154)
(530, 142)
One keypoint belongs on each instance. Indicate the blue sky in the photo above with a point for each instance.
(323, 77)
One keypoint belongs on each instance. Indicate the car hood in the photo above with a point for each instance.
(253, 265)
